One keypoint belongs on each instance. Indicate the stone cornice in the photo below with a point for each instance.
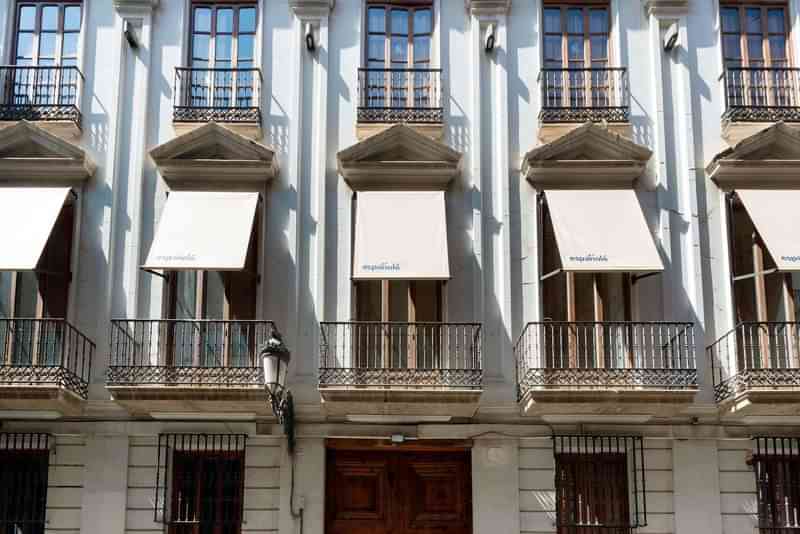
(488, 7)
(142, 6)
(666, 8)
(311, 8)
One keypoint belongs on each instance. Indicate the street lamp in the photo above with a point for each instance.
(275, 357)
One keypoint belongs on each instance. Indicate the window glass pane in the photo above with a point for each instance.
(224, 21)
(72, 18)
(69, 62)
(730, 19)
(69, 47)
(376, 47)
(25, 45)
(731, 46)
(186, 295)
(552, 48)
(598, 21)
(27, 17)
(214, 307)
(599, 46)
(399, 50)
(5, 295)
(753, 20)
(399, 22)
(50, 18)
(552, 20)
(575, 48)
(422, 49)
(27, 295)
(247, 20)
(202, 19)
(224, 44)
(245, 50)
(575, 21)
(422, 21)
(755, 50)
(200, 47)
(777, 48)
(47, 45)
(775, 23)
(376, 20)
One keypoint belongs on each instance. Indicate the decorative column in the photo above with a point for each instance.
(489, 161)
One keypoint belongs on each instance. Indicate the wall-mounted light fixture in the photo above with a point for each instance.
(129, 30)
(275, 357)
(671, 37)
(490, 39)
(311, 45)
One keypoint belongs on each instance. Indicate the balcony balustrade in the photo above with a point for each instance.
(40, 359)
(614, 356)
(37, 93)
(756, 358)
(400, 95)
(584, 94)
(220, 95)
(761, 94)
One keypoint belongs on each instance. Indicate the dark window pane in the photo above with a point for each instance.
(575, 21)
(422, 49)
(27, 18)
(422, 21)
(202, 19)
(200, 48)
(224, 21)
(245, 50)
(755, 47)
(552, 20)
(376, 20)
(552, 48)
(72, 18)
(575, 48)
(376, 47)
(599, 46)
(777, 48)
(730, 19)
(731, 46)
(753, 20)
(399, 23)
(50, 18)
(399, 50)
(598, 21)
(775, 22)
(247, 20)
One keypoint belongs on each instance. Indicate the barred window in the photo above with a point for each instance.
(24, 459)
(200, 483)
(776, 463)
(600, 484)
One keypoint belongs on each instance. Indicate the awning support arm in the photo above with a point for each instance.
(550, 274)
(636, 277)
(151, 271)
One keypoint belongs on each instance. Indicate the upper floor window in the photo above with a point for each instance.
(399, 36)
(47, 33)
(754, 35)
(576, 36)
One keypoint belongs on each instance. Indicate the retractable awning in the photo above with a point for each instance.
(776, 215)
(602, 230)
(401, 235)
(27, 217)
(204, 231)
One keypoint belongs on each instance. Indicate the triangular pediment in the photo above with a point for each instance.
(589, 155)
(768, 158)
(29, 152)
(399, 157)
(213, 152)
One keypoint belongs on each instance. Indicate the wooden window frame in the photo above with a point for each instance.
(37, 31)
(236, 6)
(764, 6)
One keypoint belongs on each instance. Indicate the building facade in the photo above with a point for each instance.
(534, 262)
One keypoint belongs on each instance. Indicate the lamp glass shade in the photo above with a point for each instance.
(276, 365)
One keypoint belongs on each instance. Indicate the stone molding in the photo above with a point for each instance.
(666, 8)
(488, 7)
(311, 8)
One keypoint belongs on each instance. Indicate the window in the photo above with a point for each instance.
(205, 475)
(599, 484)
(24, 460)
(576, 56)
(223, 39)
(777, 469)
(398, 55)
(210, 311)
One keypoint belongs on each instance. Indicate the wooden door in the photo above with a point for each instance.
(398, 492)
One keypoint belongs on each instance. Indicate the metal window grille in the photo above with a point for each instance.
(200, 482)
(776, 463)
(600, 484)
(24, 459)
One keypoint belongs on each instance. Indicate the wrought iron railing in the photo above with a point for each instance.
(763, 94)
(584, 94)
(45, 352)
(187, 352)
(776, 464)
(40, 93)
(223, 95)
(596, 355)
(406, 355)
(400, 95)
(756, 355)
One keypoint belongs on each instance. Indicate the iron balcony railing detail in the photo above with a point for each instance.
(187, 352)
(223, 95)
(40, 93)
(403, 355)
(584, 94)
(763, 94)
(598, 355)
(400, 95)
(756, 355)
(45, 352)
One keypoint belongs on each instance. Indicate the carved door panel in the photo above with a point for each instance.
(358, 497)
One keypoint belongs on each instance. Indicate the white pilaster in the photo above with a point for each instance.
(308, 482)
(696, 487)
(495, 486)
(105, 485)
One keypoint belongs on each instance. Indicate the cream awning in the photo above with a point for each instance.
(27, 217)
(776, 215)
(401, 235)
(602, 230)
(204, 231)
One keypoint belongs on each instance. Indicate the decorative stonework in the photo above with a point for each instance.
(666, 8)
(31, 153)
(136, 5)
(488, 7)
(311, 8)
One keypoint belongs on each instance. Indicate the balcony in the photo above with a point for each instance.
(389, 96)
(46, 365)
(758, 97)
(600, 366)
(573, 96)
(175, 365)
(756, 368)
(374, 368)
(50, 95)
(228, 96)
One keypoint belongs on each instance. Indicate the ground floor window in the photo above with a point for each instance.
(24, 460)
(777, 468)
